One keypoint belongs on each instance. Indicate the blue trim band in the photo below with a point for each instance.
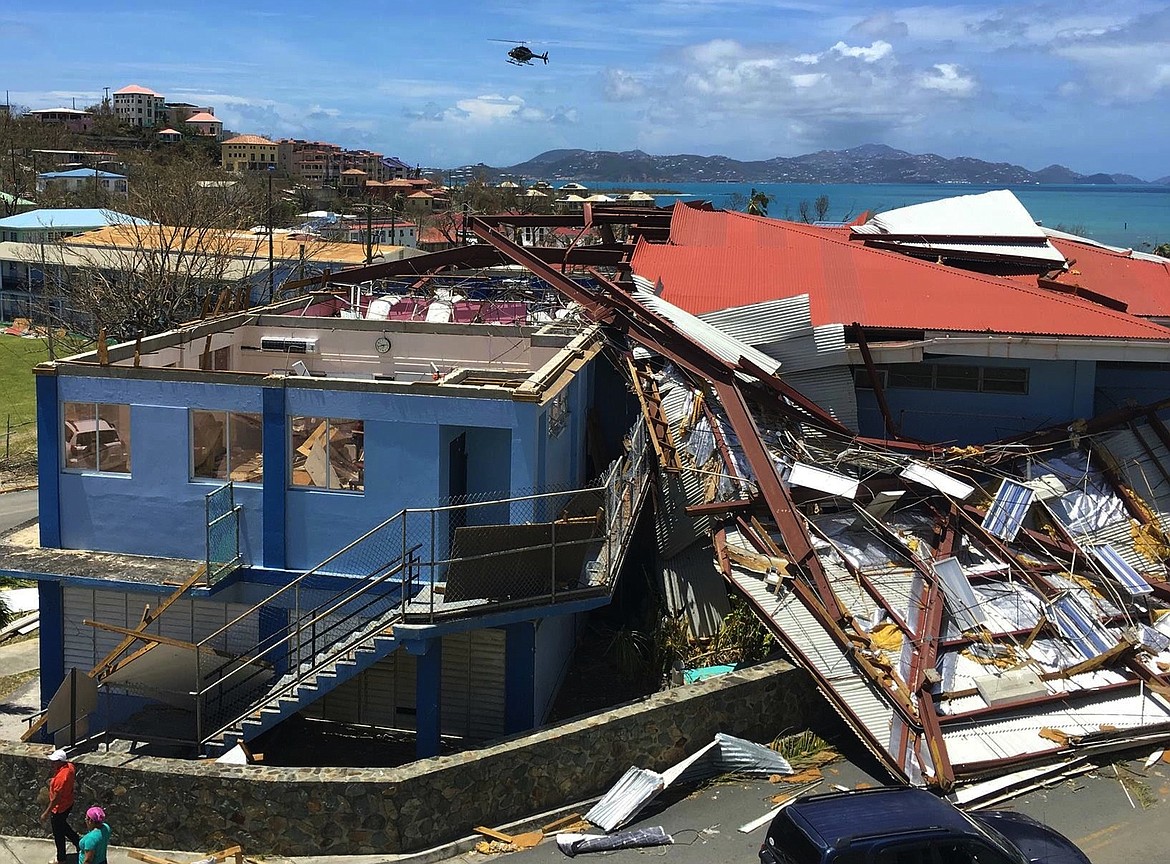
(48, 461)
(275, 477)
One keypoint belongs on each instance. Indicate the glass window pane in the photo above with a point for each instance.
(948, 377)
(997, 380)
(209, 444)
(114, 438)
(246, 457)
(912, 375)
(347, 455)
(310, 461)
(79, 435)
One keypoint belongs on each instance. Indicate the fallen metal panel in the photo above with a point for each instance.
(691, 586)
(831, 388)
(1076, 624)
(719, 343)
(1008, 511)
(961, 600)
(1119, 569)
(638, 786)
(631, 793)
(811, 477)
(580, 844)
(1017, 734)
(923, 474)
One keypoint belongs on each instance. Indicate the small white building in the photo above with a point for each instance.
(81, 179)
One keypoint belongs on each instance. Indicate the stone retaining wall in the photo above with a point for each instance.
(173, 804)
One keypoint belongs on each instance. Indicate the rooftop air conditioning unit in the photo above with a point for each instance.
(282, 345)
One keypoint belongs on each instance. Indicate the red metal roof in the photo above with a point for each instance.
(718, 259)
(1143, 285)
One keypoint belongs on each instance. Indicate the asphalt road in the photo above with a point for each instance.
(1092, 809)
(16, 508)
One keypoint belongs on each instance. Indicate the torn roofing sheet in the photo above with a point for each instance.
(922, 590)
(639, 786)
(936, 701)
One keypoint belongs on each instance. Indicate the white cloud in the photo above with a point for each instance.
(871, 54)
(619, 85)
(948, 78)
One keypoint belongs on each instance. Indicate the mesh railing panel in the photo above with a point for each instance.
(223, 533)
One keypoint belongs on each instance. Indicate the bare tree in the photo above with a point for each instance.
(822, 207)
(178, 243)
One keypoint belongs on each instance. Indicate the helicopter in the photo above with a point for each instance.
(522, 55)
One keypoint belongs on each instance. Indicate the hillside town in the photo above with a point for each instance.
(420, 508)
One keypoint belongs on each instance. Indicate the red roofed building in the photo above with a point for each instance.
(957, 354)
(206, 124)
(139, 106)
(247, 153)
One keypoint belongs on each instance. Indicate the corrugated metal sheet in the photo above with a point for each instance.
(1143, 472)
(761, 323)
(691, 585)
(1139, 280)
(1018, 734)
(632, 791)
(811, 646)
(831, 388)
(638, 786)
(712, 338)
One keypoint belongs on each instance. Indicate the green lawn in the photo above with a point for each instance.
(18, 401)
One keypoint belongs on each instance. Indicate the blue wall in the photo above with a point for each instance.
(1058, 391)
(159, 510)
(1119, 384)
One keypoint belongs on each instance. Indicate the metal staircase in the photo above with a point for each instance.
(311, 643)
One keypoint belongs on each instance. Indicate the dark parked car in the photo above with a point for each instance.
(907, 826)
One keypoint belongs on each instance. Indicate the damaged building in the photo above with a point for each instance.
(929, 449)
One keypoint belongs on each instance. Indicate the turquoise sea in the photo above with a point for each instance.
(1136, 217)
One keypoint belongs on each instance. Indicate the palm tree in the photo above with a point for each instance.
(758, 203)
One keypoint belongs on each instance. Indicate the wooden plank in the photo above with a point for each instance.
(108, 660)
(494, 834)
(139, 634)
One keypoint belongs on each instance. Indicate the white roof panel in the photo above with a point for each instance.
(989, 214)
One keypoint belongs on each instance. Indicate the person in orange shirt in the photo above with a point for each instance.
(61, 802)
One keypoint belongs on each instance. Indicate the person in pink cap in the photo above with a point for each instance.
(96, 840)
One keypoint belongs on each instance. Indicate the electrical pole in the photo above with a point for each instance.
(369, 232)
(270, 229)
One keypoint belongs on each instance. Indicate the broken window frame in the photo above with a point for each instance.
(558, 414)
(230, 421)
(101, 412)
(313, 423)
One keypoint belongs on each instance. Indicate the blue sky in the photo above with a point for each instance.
(1082, 84)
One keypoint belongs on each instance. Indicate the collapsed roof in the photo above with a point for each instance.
(968, 612)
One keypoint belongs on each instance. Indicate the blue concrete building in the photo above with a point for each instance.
(396, 523)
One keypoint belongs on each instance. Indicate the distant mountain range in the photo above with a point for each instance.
(869, 163)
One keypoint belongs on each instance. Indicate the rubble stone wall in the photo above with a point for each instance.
(200, 806)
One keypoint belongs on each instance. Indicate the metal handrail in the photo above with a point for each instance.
(624, 475)
(300, 675)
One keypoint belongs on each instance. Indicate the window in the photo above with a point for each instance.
(949, 377)
(558, 414)
(227, 445)
(952, 376)
(912, 375)
(328, 453)
(862, 381)
(996, 380)
(96, 437)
